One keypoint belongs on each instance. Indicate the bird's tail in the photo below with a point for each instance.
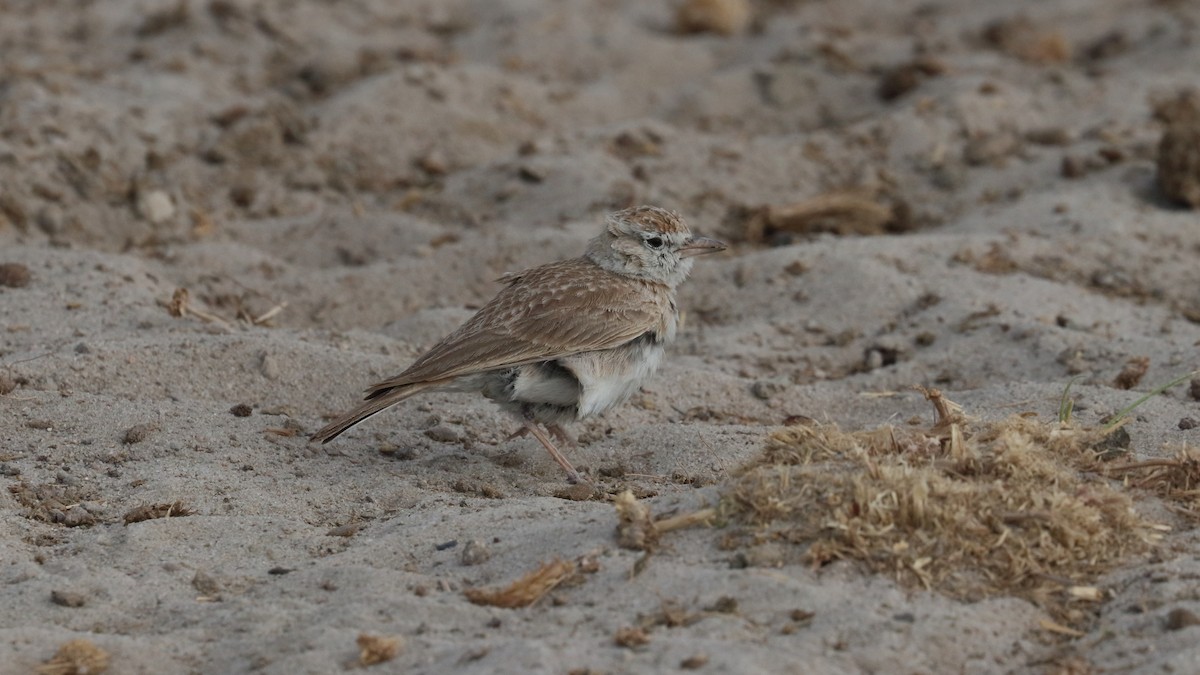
(379, 401)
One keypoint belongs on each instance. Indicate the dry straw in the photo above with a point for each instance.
(970, 509)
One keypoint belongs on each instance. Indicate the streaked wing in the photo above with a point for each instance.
(544, 313)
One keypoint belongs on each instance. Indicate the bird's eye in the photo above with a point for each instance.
(654, 242)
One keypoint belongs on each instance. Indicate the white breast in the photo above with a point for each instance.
(609, 378)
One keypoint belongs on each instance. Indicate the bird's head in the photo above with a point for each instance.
(649, 243)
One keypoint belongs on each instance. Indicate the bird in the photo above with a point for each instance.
(566, 340)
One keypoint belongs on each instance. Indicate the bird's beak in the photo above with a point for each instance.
(700, 246)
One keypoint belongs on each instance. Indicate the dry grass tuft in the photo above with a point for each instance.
(373, 649)
(152, 511)
(968, 509)
(1176, 479)
(76, 657)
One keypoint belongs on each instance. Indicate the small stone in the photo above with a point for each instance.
(1133, 372)
(1193, 389)
(241, 410)
(68, 598)
(694, 662)
(725, 604)
(885, 353)
(1048, 136)
(347, 530)
(724, 17)
(442, 434)
(631, 636)
(1073, 167)
(136, 434)
(1179, 163)
(1188, 423)
(7, 469)
(475, 552)
(156, 206)
(49, 219)
(1180, 618)
(14, 275)
(767, 389)
(990, 149)
(268, 366)
(434, 163)
(205, 583)
(7, 384)
(76, 516)
(578, 492)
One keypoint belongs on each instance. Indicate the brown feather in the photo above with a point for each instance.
(370, 407)
(544, 313)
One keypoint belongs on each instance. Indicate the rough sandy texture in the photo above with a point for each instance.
(376, 164)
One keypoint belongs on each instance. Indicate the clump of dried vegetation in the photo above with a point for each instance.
(970, 509)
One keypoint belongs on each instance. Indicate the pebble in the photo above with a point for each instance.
(1180, 618)
(723, 17)
(136, 434)
(14, 275)
(269, 367)
(68, 598)
(156, 206)
(475, 552)
(768, 389)
(442, 434)
(1179, 163)
(205, 583)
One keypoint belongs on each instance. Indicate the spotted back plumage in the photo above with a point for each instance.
(544, 313)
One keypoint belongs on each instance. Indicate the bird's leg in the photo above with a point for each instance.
(558, 433)
(531, 427)
(562, 435)
(573, 476)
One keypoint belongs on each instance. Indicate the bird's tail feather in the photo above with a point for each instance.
(380, 402)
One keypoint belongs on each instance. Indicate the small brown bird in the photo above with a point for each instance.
(565, 340)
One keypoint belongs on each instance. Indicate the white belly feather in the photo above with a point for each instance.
(607, 381)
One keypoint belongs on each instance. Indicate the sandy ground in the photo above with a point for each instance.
(361, 171)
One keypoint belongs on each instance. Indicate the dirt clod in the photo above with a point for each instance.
(631, 636)
(136, 434)
(68, 598)
(1132, 373)
(1180, 618)
(14, 275)
(1179, 163)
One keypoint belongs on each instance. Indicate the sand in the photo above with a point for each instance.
(337, 185)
